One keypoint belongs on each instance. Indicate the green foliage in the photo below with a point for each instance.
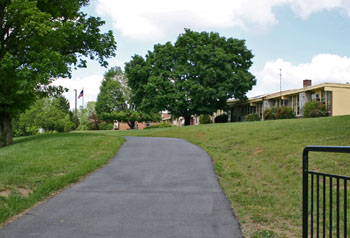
(164, 124)
(315, 109)
(83, 117)
(93, 120)
(41, 41)
(284, 113)
(130, 117)
(113, 101)
(105, 126)
(112, 96)
(87, 117)
(270, 113)
(223, 118)
(279, 113)
(68, 125)
(252, 117)
(82, 128)
(204, 119)
(194, 76)
(51, 114)
(160, 125)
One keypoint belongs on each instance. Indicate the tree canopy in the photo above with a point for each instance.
(40, 41)
(113, 101)
(50, 114)
(112, 96)
(195, 75)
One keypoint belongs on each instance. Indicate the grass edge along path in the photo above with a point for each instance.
(259, 166)
(37, 167)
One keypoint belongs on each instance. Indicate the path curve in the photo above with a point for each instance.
(153, 188)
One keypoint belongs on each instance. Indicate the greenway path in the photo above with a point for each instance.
(153, 188)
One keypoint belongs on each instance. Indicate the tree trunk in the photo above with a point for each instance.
(131, 124)
(6, 134)
(187, 120)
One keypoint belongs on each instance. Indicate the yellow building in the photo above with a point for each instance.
(335, 96)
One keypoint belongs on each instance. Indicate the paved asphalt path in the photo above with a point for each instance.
(154, 187)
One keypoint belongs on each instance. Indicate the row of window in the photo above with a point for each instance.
(325, 97)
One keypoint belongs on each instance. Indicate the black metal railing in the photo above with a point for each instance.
(325, 213)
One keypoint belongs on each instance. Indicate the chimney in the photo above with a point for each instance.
(306, 83)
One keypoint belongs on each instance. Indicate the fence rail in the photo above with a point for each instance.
(327, 214)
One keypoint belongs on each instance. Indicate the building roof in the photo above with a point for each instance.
(291, 92)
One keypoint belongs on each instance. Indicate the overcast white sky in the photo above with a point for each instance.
(307, 39)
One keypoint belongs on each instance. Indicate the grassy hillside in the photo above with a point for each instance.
(259, 165)
(37, 166)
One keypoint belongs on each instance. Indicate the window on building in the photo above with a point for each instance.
(298, 106)
(323, 97)
(329, 101)
(317, 97)
(294, 103)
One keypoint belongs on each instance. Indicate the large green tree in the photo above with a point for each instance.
(42, 40)
(112, 96)
(113, 101)
(195, 75)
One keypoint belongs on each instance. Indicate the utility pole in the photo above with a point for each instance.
(76, 110)
(83, 98)
(281, 86)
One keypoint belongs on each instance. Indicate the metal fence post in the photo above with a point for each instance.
(305, 192)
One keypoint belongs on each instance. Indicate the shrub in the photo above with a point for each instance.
(270, 113)
(82, 127)
(252, 117)
(223, 118)
(59, 125)
(93, 126)
(315, 109)
(151, 127)
(109, 126)
(164, 124)
(69, 126)
(105, 126)
(284, 113)
(160, 125)
(204, 119)
(17, 132)
(31, 130)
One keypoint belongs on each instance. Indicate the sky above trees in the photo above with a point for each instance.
(305, 38)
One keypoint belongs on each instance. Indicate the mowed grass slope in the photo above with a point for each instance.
(36, 167)
(259, 165)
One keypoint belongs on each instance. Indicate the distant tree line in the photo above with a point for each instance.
(194, 76)
(48, 114)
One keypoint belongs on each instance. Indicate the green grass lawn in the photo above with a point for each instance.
(36, 167)
(259, 165)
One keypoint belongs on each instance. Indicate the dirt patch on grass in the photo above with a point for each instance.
(5, 193)
(23, 191)
(96, 154)
(257, 150)
(61, 174)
